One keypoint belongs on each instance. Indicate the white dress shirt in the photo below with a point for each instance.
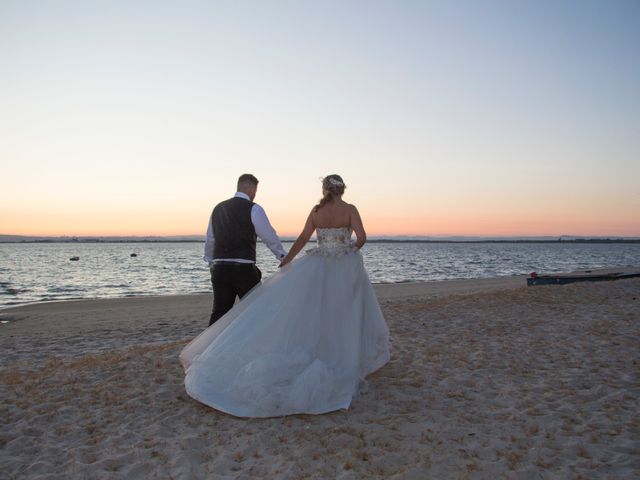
(263, 228)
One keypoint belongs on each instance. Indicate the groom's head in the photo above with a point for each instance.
(248, 184)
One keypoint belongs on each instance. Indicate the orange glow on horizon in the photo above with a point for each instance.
(380, 225)
(454, 215)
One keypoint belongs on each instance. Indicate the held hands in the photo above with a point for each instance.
(284, 261)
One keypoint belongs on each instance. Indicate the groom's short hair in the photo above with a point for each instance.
(246, 179)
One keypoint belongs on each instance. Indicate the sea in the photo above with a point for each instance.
(39, 272)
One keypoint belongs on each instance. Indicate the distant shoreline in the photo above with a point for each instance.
(375, 240)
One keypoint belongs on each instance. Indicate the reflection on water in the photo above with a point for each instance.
(37, 272)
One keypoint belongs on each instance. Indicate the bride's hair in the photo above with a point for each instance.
(333, 186)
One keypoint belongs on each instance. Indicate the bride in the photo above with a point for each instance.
(303, 340)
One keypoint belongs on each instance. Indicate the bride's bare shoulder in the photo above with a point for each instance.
(352, 208)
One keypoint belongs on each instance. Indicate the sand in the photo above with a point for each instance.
(488, 379)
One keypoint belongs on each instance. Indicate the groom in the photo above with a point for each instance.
(230, 246)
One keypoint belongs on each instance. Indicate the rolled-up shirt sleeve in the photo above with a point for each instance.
(266, 232)
(209, 243)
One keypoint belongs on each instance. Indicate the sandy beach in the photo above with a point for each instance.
(488, 379)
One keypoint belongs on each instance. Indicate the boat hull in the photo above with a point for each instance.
(564, 279)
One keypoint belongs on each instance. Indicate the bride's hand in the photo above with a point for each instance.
(283, 262)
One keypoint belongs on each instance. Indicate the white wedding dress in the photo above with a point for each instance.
(301, 342)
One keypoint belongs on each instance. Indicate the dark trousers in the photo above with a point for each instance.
(230, 280)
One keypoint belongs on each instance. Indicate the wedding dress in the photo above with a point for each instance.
(301, 342)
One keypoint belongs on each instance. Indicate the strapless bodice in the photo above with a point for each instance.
(333, 242)
(334, 237)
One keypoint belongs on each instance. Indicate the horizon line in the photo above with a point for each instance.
(197, 237)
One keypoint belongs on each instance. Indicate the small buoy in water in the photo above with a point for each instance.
(74, 259)
(134, 254)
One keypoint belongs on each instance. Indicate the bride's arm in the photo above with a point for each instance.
(358, 228)
(300, 242)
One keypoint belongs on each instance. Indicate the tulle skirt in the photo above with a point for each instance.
(301, 342)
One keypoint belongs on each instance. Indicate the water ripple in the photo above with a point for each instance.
(39, 272)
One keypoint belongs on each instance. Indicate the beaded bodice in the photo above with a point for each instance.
(333, 237)
(333, 242)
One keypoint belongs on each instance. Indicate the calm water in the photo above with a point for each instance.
(40, 272)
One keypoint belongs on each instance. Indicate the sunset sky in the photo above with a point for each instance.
(492, 118)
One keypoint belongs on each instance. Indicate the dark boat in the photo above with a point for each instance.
(564, 278)
(74, 259)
